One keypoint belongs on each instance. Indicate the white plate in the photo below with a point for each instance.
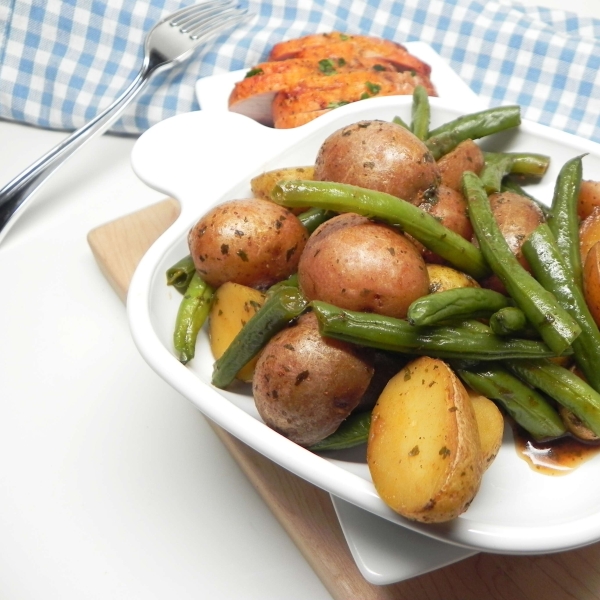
(516, 510)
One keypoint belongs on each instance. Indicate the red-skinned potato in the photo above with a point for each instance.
(379, 155)
(517, 216)
(589, 232)
(591, 281)
(361, 265)
(588, 199)
(252, 242)
(297, 386)
(450, 208)
(467, 156)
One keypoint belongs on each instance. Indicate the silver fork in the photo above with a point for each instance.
(170, 42)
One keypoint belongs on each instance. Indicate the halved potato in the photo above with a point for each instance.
(490, 424)
(232, 307)
(262, 184)
(424, 451)
(442, 278)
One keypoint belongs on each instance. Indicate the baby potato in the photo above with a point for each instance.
(490, 424)
(262, 184)
(379, 155)
(591, 281)
(517, 216)
(233, 305)
(442, 278)
(450, 208)
(467, 156)
(298, 390)
(588, 199)
(360, 265)
(253, 242)
(424, 451)
(589, 232)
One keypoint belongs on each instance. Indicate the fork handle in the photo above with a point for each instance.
(16, 192)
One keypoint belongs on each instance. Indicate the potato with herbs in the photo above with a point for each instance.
(467, 156)
(253, 242)
(450, 208)
(589, 198)
(517, 216)
(442, 278)
(381, 156)
(233, 305)
(305, 385)
(424, 451)
(361, 265)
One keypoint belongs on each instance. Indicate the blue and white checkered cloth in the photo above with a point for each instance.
(62, 61)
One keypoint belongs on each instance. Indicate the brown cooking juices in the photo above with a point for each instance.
(554, 457)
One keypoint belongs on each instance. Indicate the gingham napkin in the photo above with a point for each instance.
(62, 61)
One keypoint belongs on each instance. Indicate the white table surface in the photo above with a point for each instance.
(112, 484)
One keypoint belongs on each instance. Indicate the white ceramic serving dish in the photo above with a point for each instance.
(384, 553)
(517, 510)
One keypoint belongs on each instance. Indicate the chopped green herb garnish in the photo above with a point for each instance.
(378, 68)
(373, 88)
(364, 96)
(344, 37)
(326, 67)
(338, 104)
(253, 72)
(341, 62)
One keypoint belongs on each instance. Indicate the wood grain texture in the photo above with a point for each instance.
(306, 512)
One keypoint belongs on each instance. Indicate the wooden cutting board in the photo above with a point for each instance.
(306, 512)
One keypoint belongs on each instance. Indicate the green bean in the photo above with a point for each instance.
(397, 335)
(473, 126)
(556, 327)
(565, 387)
(421, 113)
(563, 221)
(181, 273)
(511, 321)
(421, 225)
(192, 313)
(282, 306)
(529, 164)
(399, 121)
(500, 164)
(526, 406)
(546, 262)
(494, 170)
(455, 304)
(313, 217)
(354, 431)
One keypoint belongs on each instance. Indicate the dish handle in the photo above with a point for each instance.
(190, 156)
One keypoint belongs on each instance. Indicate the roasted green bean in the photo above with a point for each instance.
(473, 126)
(546, 261)
(555, 325)
(421, 225)
(526, 406)
(282, 306)
(455, 305)
(397, 335)
(192, 313)
(563, 221)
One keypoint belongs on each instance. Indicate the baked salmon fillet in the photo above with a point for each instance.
(254, 95)
(309, 76)
(309, 99)
(340, 45)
